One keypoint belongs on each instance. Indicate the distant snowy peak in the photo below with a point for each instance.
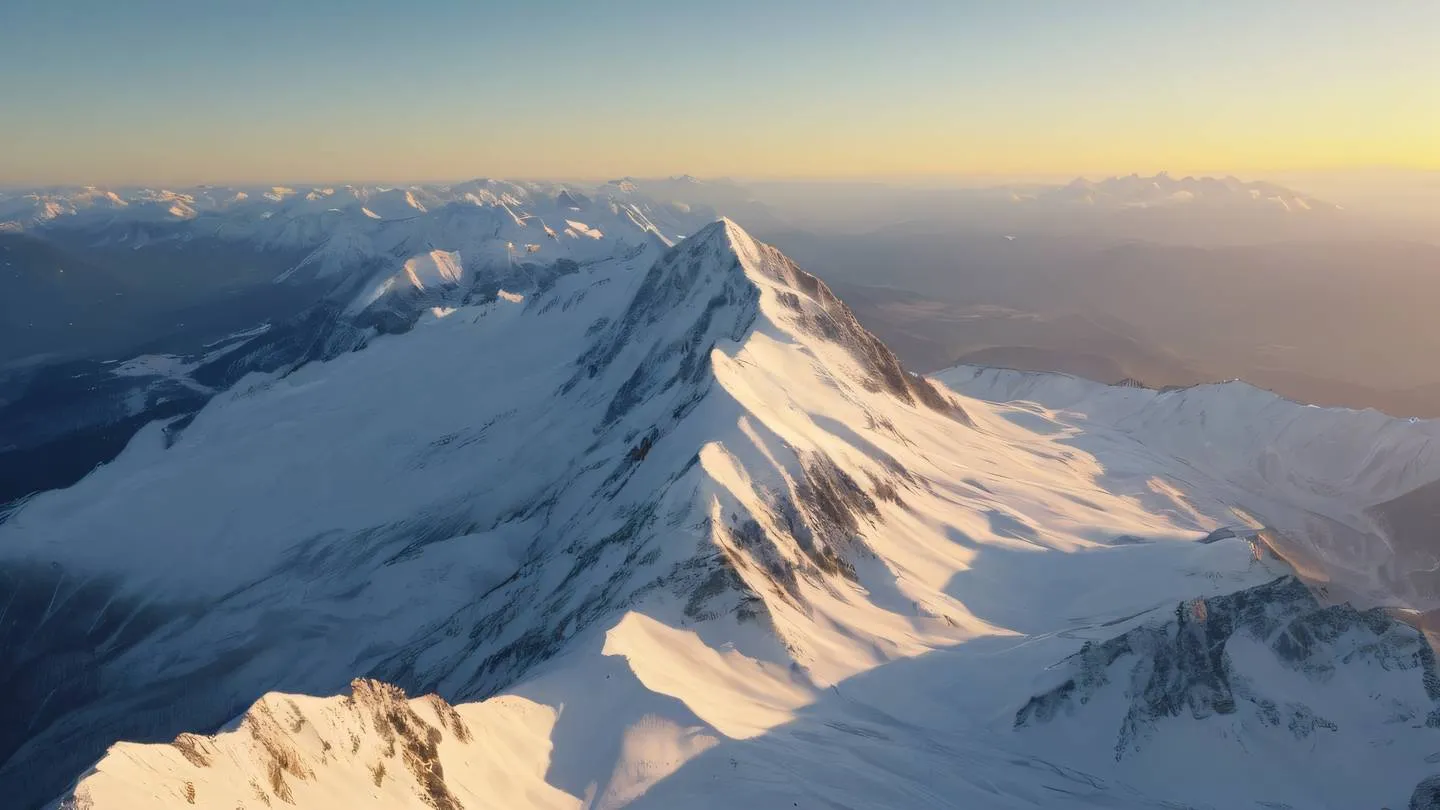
(1163, 190)
(286, 217)
(41, 205)
(365, 242)
(34, 207)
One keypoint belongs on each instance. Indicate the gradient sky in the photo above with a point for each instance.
(152, 91)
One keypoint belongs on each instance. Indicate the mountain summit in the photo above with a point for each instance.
(672, 529)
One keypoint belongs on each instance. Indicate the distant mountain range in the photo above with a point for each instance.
(1163, 191)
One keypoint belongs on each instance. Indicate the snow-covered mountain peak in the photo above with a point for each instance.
(722, 268)
(671, 529)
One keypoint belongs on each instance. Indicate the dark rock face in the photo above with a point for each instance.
(1184, 666)
(1222, 533)
(572, 199)
(1426, 795)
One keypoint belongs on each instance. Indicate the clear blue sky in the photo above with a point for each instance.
(118, 91)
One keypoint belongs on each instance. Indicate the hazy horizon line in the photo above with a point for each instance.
(978, 178)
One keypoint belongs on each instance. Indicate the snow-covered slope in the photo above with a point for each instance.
(671, 530)
(1323, 476)
(347, 263)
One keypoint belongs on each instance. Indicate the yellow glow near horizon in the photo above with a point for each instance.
(766, 89)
